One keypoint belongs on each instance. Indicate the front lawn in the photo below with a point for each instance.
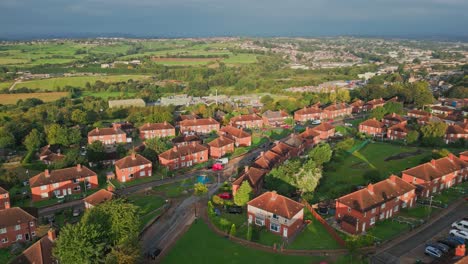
(175, 189)
(449, 195)
(388, 229)
(150, 205)
(419, 212)
(5, 255)
(119, 185)
(201, 245)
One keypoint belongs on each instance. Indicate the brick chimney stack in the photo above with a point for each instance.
(78, 167)
(246, 169)
(274, 195)
(51, 234)
(433, 163)
(46, 173)
(133, 156)
(7, 205)
(370, 187)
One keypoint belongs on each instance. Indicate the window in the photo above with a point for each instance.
(382, 206)
(403, 205)
(43, 187)
(373, 210)
(17, 227)
(349, 209)
(33, 233)
(19, 237)
(75, 181)
(382, 215)
(142, 167)
(275, 216)
(5, 240)
(3, 230)
(31, 223)
(76, 188)
(406, 195)
(395, 209)
(274, 227)
(259, 221)
(44, 195)
(372, 220)
(55, 185)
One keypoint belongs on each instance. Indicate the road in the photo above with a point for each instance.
(427, 233)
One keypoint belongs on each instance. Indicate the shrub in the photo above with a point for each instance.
(217, 200)
(249, 233)
(224, 224)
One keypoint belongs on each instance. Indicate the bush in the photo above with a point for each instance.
(217, 200)
(224, 224)
(249, 233)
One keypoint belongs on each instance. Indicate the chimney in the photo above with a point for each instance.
(262, 153)
(246, 168)
(147, 124)
(433, 163)
(274, 195)
(78, 167)
(97, 129)
(370, 187)
(133, 156)
(393, 178)
(165, 122)
(451, 156)
(51, 234)
(7, 205)
(174, 148)
(393, 114)
(46, 173)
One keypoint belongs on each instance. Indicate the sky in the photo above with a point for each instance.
(200, 18)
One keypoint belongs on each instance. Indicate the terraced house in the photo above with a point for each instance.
(274, 118)
(16, 225)
(4, 199)
(398, 131)
(455, 132)
(337, 110)
(358, 211)
(201, 126)
(279, 214)
(247, 121)
(418, 113)
(254, 176)
(108, 136)
(308, 113)
(183, 156)
(133, 167)
(392, 119)
(62, 182)
(436, 175)
(374, 103)
(159, 130)
(325, 130)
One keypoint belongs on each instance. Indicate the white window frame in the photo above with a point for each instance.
(3, 230)
(43, 187)
(17, 227)
(259, 221)
(19, 237)
(5, 240)
(276, 225)
(372, 221)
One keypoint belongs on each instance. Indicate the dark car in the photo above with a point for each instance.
(235, 210)
(442, 247)
(450, 243)
(155, 253)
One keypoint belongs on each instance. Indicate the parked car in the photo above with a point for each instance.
(442, 247)
(348, 124)
(155, 253)
(225, 195)
(432, 251)
(448, 242)
(456, 239)
(316, 122)
(76, 212)
(461, 225)
(235, 210)
(459, 233)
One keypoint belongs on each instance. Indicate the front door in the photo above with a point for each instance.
(69, 191)
(285, 231)
(26, 236)
(364, 227)
(123, 178)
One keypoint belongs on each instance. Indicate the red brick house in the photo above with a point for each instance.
(326, 130)
(247, 121)
(254, 176)
(221, 146)
(62, 182)
(274, 118)
(311, 137)
(242, 138)
(202, 126)
(455, 133)
(442, 110)
(50, 154)
(336, 110)
(152, 130)
(464, 156)
(183, 156)
(16, 225)
(308, 113)
(358, 211)
(297, 144)
(97, 198)
(186, 139)
(397, 132)
(284, 150)
(372, 127)
(280, 215)
(428, 119)
(392, 119)
(133, 167)
(108, 136)
(418, 113)
(267, 160)
(4, 199)
(357, 106)
(39, 252)
(374, 103)
(436, 175)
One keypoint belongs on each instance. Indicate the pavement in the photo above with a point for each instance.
(402, 248)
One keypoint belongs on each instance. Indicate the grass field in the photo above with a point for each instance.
(201, 245)
(341, 177)
(46, 97)
(80, 81)
(241, 58)
(106, 95)
(4, 85)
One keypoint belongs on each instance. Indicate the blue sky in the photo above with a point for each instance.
(234, 17)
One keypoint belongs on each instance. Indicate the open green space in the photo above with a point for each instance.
(388, 229)
(79, 81)
(107, 95)
(341, 177)
(45, 97)
(176, 189)
(150, 205)
(201, 245)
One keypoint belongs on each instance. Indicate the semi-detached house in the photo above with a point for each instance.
(4, 199)
(183, 156)
(201, 126)
(108, 135)
(16, 225)
(133, 167)
(156, 130)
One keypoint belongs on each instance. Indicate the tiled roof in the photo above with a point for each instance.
(253, 175)
(183, 150)
(464, 153)
(199, 122)
(156, 126)
(336, 106)
(105, 132)
(455, 129)
(376, 101)
(131, 161)
(235, 132)
(281, 148)
(394, 117)
(357, 103)
(294, 140)
(61, 175)
(99, 197)
(437, 168)
(49, 149)
(419, 112)
(309, 133)
(186, 138)
(243, 118)
(401, 127)
(14, 216)
(3, 191)
(277, 204)
(372, 123)
(442, 108)
(324, 127)
(308, 111)
(188, 117)
(38, 253)
(275, 114)
(376, 194)
(267, 160)
(221, 142)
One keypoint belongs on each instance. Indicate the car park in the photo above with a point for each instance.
(432, 251)
(456, 239)
(461, 225)
(442, 247)
(459, 233)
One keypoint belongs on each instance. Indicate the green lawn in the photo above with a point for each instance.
(201, 245)
(388, 229)
(147, 203)
(107, 95)
(5, 255)
(419, 212)
(241, 58)
(176, 189)
(341, 177)
(80, 81)
(447, 196)
(119, 185)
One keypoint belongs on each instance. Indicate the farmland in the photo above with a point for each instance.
(46, 97)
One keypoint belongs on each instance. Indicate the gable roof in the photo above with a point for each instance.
(49, 149)
(401, 127)
(99, 197)
(187, 117)
(294, 140)
(132, 161)
(281, 148)
(376, 101)
(308, 111)
(267, 160)
(376, 194)
(455, 129)
(275, 114)
(253, 175)
(3, 191)
(221, 142)
(198, 122)
(186, 138)
(243, 118)
(324, 127)
(309, 133)
(419, 112)
(394, 117)
(38, 253)
(235, 132)
(107, 131)
(182, 150)
(437, 168)
(14, 216)
(357, 103)
(277, 204)
(156, 126)
(336, 106)
(373, 123)
(61, 175)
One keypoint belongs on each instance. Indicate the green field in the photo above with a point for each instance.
(46, 97)
(201, 245)
(341, 177)
(107, 95)
(80, 81)
(241, 58)
(4, 85)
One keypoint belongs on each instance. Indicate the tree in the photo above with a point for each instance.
(393, 107)
(6, 138)
(308, 179)
(34, 140)
(217, 200)
(78, 117)
(95, 151)
(57, 134)
(433, 133)
(126, 254)
(378, 113)
(159, 145)
(437, 154)
(200, 189)
(243, 194)
(422, 94)
(412, 137)
(321, 154)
